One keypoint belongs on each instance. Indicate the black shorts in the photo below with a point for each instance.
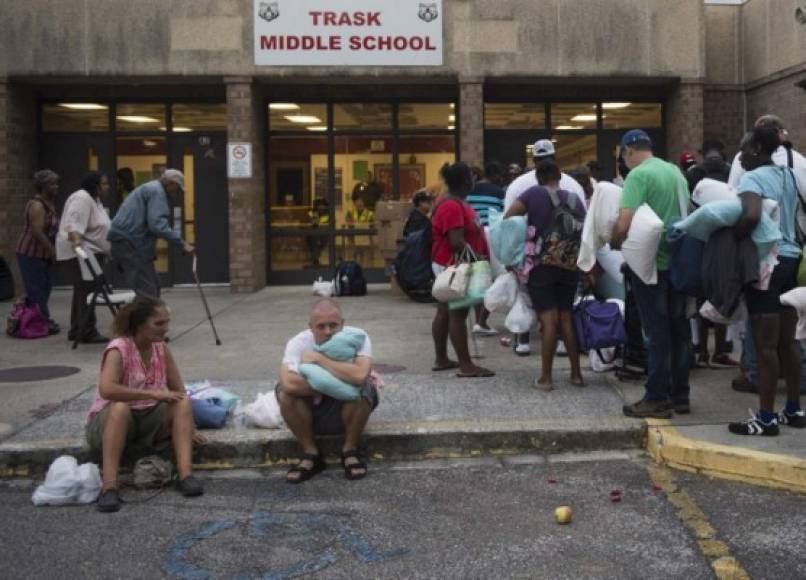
(552, 288)
(784, 278)
(327, 414)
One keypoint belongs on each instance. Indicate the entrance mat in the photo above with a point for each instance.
(42, 373)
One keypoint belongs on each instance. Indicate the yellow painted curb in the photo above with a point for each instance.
(668, 446)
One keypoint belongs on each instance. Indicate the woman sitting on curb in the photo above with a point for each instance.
(140, 404)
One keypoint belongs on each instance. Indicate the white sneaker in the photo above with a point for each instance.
(478, 329)
(523, 349)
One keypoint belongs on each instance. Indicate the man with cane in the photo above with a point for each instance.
(145, 216)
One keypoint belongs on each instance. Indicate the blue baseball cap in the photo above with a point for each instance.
(634, 137)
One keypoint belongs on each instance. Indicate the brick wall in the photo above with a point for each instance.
(471, 123)
(783, 98)
(684, 120)
(17, 165)
(247, 202)
(723, 116)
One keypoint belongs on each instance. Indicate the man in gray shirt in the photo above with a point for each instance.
(143, 217)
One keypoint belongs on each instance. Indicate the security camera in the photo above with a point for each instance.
(800, 15)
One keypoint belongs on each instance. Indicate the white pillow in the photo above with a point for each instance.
(708, 190)
(640, 249)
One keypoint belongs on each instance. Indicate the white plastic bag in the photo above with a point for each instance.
(67, 483)
(323, 288)
(265, 412)
(597, 364)
(640, 249)
(521, 317)
(503, 292)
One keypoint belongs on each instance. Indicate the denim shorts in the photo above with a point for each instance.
(552, 288)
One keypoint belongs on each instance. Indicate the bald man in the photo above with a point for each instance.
(308, 413)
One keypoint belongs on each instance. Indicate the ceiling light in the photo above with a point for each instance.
(584, 117)
(452, 106)
(182, 129)
(84, 106)
(137, 119)
(567, 127)
(615, 105)
(283, 107)
(451, 117)
(148, 143)
(451, 127)
(317, 128)
(304, 119)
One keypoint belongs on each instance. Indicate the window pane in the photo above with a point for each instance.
(632, 115)
(299, 200)
(514, 116)
(297, 117)
(145, 117)
(421, 158)
(426, 116)
(354, 116)
(141, 159)
(568, 116)
(79, 117)
(199, 117)
(574, 150)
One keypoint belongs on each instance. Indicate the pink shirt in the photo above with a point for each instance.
(135, 374)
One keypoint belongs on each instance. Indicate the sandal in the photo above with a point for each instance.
(351, 469)
(450, 365)
(306, 474)
(478, 373)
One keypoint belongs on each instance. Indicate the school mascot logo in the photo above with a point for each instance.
(269, 11)
(428, 12)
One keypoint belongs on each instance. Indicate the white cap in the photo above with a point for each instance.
(543, 148)
(175, 176)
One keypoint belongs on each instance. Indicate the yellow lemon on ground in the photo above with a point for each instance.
(563, 514)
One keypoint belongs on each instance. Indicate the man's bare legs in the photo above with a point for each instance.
(354, 415)
(298, 416)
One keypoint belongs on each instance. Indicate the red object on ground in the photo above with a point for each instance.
(657, 487)
(552, 481)
(615, 495)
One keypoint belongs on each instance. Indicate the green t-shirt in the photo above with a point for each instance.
(655, 182)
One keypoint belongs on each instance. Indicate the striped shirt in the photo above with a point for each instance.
(27, 244)
(484, 197)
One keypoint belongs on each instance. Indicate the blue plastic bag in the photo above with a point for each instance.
(508, 238)
(209, 413)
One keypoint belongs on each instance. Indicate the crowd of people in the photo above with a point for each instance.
(141, 401)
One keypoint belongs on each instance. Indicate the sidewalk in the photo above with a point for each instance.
(422, 414)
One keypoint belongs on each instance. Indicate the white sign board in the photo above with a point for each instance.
(348, 32)
(239, 160)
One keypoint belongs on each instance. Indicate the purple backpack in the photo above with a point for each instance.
(26, 321)
(598, 325)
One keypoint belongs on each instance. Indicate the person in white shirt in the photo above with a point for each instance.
(85, 223)
(781, 157)
(543, 149)
(308, 413)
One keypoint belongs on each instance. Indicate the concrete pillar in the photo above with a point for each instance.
(18, 155)
(247, 201)
(471, 121)
(684, 119)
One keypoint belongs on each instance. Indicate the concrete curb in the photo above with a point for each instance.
(668, 446)
(383, 441)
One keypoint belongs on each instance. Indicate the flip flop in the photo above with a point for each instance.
(449, 367)
(479, 373)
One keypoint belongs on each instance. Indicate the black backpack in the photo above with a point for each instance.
(349, 280)
(413, 266)
(6, 281)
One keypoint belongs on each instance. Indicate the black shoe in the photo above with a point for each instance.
(682, 407)
(53, 328)
(644, 408)
(96, 338)
(744, 385)
(190, 486)
(108, 501)
(796, 419)
(754, 426)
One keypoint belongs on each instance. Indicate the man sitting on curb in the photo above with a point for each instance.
(309, 413)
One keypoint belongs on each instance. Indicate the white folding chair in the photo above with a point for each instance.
(103, 293)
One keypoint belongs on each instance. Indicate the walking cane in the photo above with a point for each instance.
(204, 301)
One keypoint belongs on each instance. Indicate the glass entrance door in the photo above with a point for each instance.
(201, 214)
